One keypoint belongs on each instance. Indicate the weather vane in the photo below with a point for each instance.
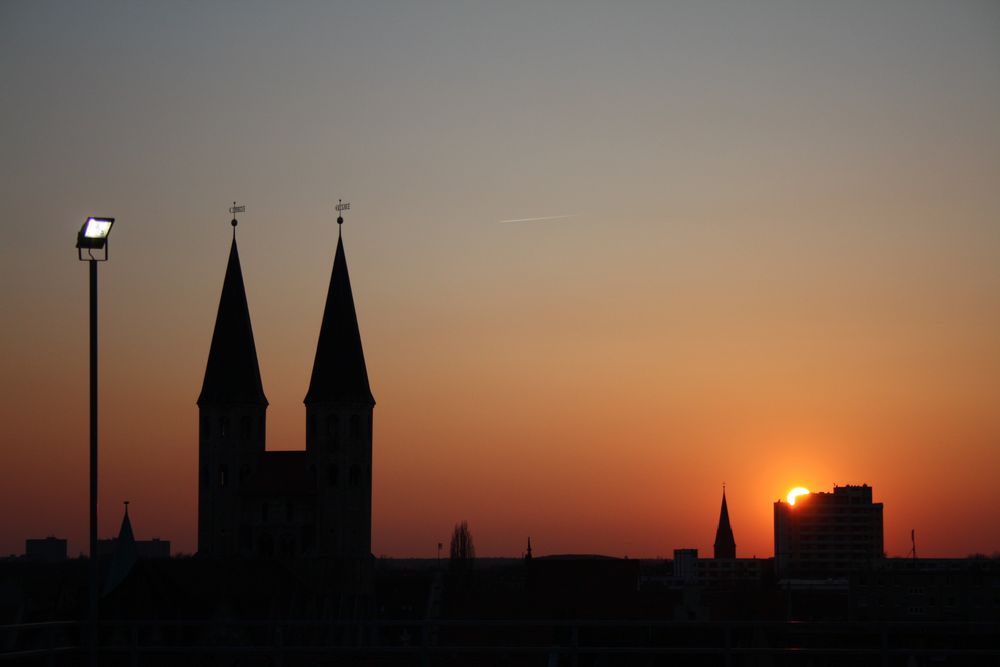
(341, 207)
(234, 209)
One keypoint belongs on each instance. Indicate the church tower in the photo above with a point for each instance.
(339, 407)
(231, 409)
(725, 545)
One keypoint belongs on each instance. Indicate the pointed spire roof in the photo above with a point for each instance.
(339, 373)
(124, 557)
(725, 544)
(232, 374)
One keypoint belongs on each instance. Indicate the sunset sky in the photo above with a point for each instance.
(782, 265)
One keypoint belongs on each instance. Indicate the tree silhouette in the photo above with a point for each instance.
(462, 551)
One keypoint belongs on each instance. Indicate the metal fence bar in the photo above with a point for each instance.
(39, 652)
(39, 640)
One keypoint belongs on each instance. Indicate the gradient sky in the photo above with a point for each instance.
(783, 269)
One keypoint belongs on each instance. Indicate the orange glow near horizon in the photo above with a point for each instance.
(743, 286)
(796, 492)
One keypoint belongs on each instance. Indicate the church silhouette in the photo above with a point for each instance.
(312, 505)
(725, 543)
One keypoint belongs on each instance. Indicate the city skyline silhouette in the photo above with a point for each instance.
(774, 263)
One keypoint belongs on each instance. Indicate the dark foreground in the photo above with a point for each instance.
(576, 610)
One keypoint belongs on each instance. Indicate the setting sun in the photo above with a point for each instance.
(795, 493)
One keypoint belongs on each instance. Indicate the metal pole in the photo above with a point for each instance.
(94, 570)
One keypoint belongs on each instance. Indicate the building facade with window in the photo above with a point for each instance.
(312, 503)
(828, 534)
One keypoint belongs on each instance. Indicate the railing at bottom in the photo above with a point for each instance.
(538, 642)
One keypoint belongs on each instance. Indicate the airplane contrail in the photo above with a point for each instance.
(546, 217)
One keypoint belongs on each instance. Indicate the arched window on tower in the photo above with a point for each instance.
(333, 432)
(224, 427)
(223, 476)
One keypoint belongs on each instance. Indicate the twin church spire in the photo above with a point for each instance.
(339, 373)
(312, 503)
(232, 374)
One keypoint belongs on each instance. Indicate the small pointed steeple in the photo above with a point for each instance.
(339, 373)
(124, 557)
(527, 555)
(725, 544)
(232, 374)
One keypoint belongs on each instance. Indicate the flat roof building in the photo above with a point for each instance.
(827, 534)
(47, 550)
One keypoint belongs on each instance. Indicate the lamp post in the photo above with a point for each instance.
(93, 236)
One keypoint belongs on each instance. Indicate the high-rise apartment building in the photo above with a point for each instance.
(827, 534)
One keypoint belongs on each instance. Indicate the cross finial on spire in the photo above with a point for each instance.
(126, 507)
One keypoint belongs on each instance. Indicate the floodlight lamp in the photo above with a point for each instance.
(97, 228)
(94, 233)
